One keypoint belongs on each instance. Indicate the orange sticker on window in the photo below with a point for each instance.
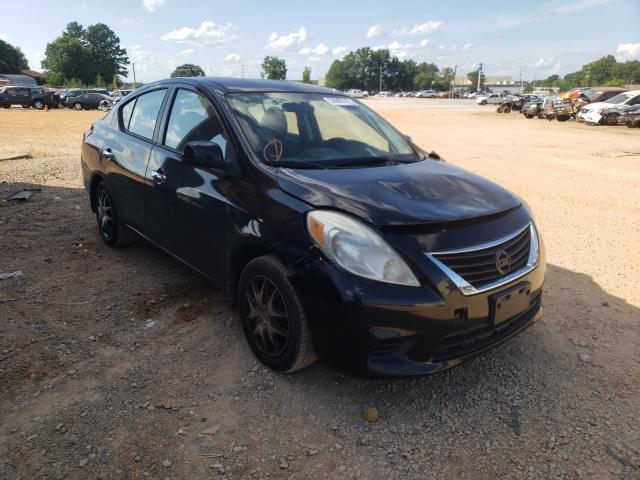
(272, 151)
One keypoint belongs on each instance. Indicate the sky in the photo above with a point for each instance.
(537, 38)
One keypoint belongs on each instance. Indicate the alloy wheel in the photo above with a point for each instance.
(267, 316)
(105, 215)
(78, 106)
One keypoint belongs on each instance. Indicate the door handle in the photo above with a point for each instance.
(107, 153)
(158, 176)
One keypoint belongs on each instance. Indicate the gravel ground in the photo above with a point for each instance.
(122, 364)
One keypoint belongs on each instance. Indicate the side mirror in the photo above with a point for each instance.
(203, 154)
(408, 138)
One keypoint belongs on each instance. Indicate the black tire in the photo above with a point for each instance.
(506, 109)
(77, 106)
(110, 225)
(272, 317)
(38, 104)
(6, 105)
(483, 102)
(611, 119)
(528, 116)
(562, 118)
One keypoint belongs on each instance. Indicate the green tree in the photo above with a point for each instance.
(444, 79)
(12, 60)
(274, 68)
(426, 76)
(55, 79)
(116, 82)
(306, 75)
(188, 70)
(82, 54)
(99, 81)
(473, 78)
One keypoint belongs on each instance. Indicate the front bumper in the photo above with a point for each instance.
(371, 329)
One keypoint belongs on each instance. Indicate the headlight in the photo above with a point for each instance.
(357, 248)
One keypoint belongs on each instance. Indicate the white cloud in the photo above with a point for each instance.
(375, 31)
(232, 57)
(3, 36)
(419, 29)
(424, 43)
(286, 42)
(319, 50)
(339, 51)
(153, 5)
(629, 49)
(413, 30)
(185, 53)
(468, 46)
(208, 33)
(555, 10)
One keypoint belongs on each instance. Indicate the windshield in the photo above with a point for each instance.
(620, 98)
(317, 130)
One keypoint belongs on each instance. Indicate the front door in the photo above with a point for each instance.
(187, 205)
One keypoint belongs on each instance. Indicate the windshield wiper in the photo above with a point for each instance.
(294, 164)
(355, 162)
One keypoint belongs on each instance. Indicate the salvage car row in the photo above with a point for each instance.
(594, 106)
(75, 98)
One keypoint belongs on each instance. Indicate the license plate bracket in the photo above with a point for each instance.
(509, 303)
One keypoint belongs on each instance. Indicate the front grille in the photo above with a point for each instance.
(480, 267)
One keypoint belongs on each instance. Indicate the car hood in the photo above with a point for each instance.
(423, 192)
(597, 106)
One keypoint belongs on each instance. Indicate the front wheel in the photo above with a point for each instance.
(611, 119)
(112, 229)
(484, 102)
(77, 106)
(272, 317)
(38, 104)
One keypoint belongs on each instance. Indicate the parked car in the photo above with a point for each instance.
(478, 94)
(426, 94)
(592, 113)
(27, 97)
(514, 102)
(531, 108)
(355, 93)
(546, 110)
(86, 101)
(630, 116)
(350, 244)
(449, 95)
(492, 98)
(595, 95)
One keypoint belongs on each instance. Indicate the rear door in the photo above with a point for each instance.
(125, 153)
(187, 205)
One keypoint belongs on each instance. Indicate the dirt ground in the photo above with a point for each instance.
(123, 364)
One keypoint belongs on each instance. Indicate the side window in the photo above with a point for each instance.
(635, 101)
(127, 110)
(145, 113)
(193, 118)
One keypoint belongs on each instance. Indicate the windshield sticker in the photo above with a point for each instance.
(340, 101)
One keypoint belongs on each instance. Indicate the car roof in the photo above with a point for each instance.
(242, 85)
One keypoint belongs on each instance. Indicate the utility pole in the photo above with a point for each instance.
(243, 65)
(380, 89)
(453, 80)
(133, 65)
(522, 67)
(479, 77)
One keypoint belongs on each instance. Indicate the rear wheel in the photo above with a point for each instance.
(6, 105)
(563, 118)
(112, 229)
(272, 317)
(38, 104)
(483, 102)
(77, 106)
